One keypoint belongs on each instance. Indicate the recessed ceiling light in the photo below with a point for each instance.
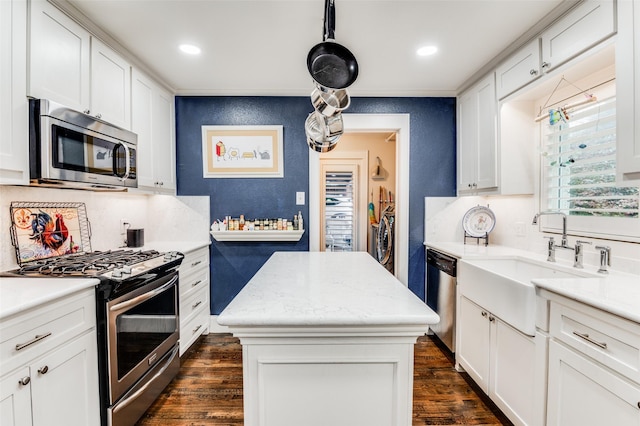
(427, 50)
(190, 49)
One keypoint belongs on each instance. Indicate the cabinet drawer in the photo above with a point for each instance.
(611, 340)
(29, 335)
(190, 306)
(191, 283)
(194, 260)
(192, 329)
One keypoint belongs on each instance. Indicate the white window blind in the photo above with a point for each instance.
(579, 170)
(339, 211)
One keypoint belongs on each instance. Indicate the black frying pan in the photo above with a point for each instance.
(330, 64)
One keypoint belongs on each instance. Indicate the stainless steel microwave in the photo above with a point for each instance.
(75, 150)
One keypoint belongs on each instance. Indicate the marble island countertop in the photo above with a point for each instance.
(617, 292)
(325, 289)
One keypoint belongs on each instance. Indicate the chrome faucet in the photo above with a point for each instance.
(564, 243)
(577, 256)
(605, 258)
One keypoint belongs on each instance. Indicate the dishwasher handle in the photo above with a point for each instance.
(443, 262)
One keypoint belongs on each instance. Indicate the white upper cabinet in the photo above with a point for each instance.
(152, 120)
(14, 107)
(581, 28)
(110, 85)
(520, 69)
(60, 57)
(69, 66)
(477, 143)
(628, 77)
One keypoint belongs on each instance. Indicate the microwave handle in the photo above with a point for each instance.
(127, 156)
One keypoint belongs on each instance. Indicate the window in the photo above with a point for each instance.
(579, 170)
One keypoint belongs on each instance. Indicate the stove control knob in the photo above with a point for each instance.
(117, 273)
(167, 256)
(126, 269)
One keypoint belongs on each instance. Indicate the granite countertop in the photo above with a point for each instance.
(20, 294)
(325, 289)
(617, 293)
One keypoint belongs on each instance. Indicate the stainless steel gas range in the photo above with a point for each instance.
(136, 302)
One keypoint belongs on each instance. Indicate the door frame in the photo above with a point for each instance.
(359, 123)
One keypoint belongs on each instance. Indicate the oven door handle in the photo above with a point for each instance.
(137, 393)
(143, 297)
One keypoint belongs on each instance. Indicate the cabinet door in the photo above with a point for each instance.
(59, 53)
(513, 374)
(467, 141)
(583, 393)
(110, 85)
(152, 119)
(163, 141)
(14, 107)
(477, 143)
(473, 344)
(15, 399)
(519, 70)
(64, 385)
(487, 167)
(581, 28)
(628, 76)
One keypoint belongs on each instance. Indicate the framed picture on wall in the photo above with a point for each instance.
(242, 152)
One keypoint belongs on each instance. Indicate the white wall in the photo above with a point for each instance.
(164, 218)
(514, 228)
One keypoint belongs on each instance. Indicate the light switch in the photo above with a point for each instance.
(300, 198)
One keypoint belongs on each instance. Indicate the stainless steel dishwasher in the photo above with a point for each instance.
(440, 289)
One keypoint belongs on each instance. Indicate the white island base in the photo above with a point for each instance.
(327, 340)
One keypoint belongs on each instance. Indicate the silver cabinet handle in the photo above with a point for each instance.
(98, 115)
(196, 304)
(533, 72)
(24, 381)
(196, 263)
(195, 330)
(43, 370)
(492, 318)
(36, 339)
(484, 314)
(87, 111)
(196, 283)
(546, 65)
(586, 337)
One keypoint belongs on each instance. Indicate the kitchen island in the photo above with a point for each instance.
(327, 340)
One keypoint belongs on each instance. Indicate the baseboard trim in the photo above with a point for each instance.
(214, 327)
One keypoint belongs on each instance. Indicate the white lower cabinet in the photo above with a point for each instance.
(594, 367)
(49, 365)
(507, 364)
(582, 392)
(194, 297)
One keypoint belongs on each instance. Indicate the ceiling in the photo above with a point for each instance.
(259, 47)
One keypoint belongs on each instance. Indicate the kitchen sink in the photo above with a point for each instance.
(503, 286)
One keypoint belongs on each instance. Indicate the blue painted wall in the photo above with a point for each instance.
(432, 173)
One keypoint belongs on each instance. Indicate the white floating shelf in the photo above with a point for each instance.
(257, 235)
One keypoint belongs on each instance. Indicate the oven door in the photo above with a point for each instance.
(142, 327)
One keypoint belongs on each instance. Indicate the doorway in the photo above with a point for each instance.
(372, 123)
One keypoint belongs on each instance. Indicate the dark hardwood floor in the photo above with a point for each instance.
(208, 389)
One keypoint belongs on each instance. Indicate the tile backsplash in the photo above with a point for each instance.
(514, 228)
(164, 218)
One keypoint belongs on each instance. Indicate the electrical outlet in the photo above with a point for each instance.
(300, 198)
(124, 225)
(521, 230)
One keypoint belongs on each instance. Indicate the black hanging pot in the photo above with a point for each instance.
(331, 64)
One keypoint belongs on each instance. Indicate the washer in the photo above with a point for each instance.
(385, 238)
